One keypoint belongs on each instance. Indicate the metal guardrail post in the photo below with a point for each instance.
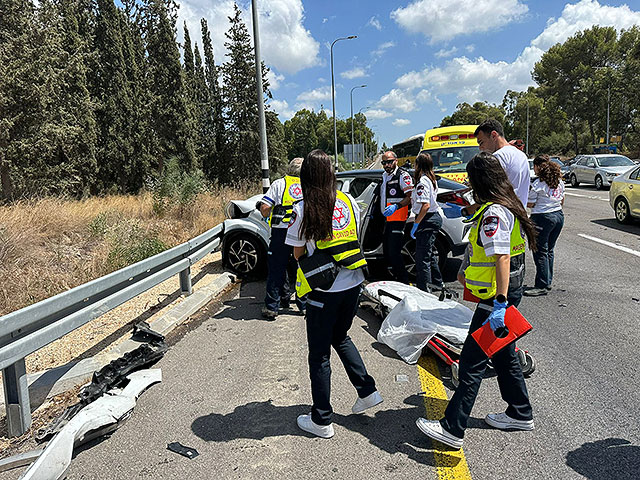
(185, 282)
(16, 398)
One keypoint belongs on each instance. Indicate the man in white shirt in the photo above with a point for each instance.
(490, 136)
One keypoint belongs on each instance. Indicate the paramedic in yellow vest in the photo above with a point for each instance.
(276, 207)
(493, 275)
(395, 197)
(327, 222)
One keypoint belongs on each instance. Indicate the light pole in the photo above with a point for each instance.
(264, 154)
(333, 99)
(351, 98)
(527, 144)
(360, 136)
(608, 104)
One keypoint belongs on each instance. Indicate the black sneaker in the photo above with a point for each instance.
(269, 314)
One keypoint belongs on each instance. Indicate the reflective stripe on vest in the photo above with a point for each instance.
(291, 195)
(343, 247)
(480, 275)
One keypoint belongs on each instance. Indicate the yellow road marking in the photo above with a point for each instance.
(450, 465)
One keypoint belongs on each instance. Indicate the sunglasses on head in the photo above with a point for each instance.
(387, 162)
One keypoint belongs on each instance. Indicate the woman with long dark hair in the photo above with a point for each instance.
(546, 199)
(324, 233)
(494, 275)
(426, 224)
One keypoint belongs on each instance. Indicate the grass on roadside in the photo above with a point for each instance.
(50, 245)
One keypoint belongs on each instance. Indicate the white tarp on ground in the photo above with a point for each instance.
(419, 316)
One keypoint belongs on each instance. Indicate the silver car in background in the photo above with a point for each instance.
(246, 235)
(598, 169)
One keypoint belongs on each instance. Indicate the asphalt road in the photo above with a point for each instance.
(234, 385)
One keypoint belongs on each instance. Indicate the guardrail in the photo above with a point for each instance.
(26, 330)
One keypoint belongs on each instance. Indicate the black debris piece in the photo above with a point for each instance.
(177, 447)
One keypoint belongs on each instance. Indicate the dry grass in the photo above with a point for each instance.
(47, 246)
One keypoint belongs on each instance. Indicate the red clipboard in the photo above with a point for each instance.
(490, 344)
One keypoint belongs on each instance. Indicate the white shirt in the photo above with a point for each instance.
(495, 230)
(346, 278)
(405, 182)
(424, 192)
(275, 194)
(545, 198)
(516, 166)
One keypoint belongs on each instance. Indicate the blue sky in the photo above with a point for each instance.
(418, 58)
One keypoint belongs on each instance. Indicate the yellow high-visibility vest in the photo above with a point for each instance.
(480, 275)
(292, 194)
(343, 246)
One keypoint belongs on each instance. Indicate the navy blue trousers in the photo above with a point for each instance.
(280, 281)
(393, 241)
(427, 268)
(329, 318)
(549, 225)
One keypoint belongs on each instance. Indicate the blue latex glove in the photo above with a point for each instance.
(265, 220)
(413, 230)
(390, 210)
(496, 319)
(452, 211)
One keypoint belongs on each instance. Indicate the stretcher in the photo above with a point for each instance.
(414, 319)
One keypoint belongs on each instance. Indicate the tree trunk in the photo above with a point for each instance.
(5, 180)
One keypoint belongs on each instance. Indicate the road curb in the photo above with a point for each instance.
(49, 383)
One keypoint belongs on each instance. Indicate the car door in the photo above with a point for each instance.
(591, 170)
(577, 168)
(633, 192)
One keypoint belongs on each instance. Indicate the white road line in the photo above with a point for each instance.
(612, 245)
(586, 196)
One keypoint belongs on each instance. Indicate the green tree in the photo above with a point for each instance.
(240, 106)
(213, 128)
(172, 122)
(475, 114)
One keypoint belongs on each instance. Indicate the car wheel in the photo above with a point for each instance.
(598, 182)
(409, 257)
(245, 255)
(622, 211)
(574, 180)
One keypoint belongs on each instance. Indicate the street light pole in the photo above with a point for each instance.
(608, 104)
(262, 128)
(333, 99)
(527, 144)
(351, 98)
(364, 153)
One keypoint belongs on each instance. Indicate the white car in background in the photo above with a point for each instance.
(246, 235)
(598, 169)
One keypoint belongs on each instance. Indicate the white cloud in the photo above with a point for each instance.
(286, 44)
(281, 107)
(470, 48)
(479, 79)
(325, 20)
(356, 72)
(275, 79)
(375, 23)
(377, 113)
(383, 47)
(437, 20)
(317, 95)
(398, 99)
(401, 122)
(446, 52)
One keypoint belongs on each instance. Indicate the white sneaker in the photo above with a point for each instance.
(308, 425)
(433, 429)
(505, 422)
(367, 402)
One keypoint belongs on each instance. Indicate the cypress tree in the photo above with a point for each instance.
(214, 134)
(169, 103)
(240, 106)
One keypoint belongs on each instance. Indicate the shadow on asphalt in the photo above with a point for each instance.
(609, 458)
(632, 228)
(393, 431)
(248, 304)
